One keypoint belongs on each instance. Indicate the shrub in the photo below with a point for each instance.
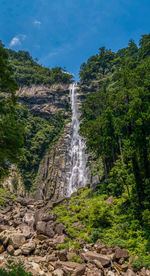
(14, 270)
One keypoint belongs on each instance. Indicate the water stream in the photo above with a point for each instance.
(77, 177)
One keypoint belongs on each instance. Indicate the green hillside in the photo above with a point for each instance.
(28, 71)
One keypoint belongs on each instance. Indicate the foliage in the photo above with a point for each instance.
(39, 134)
(75, 258)
(5, 197)
(11, 139)
(114, 224)
(14, 270)
(116, 119)
(28, 71)
(116, 125)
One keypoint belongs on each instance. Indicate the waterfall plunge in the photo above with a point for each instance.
(78, 177)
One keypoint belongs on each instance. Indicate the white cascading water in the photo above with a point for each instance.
(78, 177)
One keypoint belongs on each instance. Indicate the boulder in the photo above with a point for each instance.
(58, 272)
(62, 255)
(121, 253)
(110, 273)
(71, 268)
(17, 252)
(59, 239)
(3, 228)
(144, 272)
(29, 219)
(48, 217)
(2, 249)
(49, 230)
(25, 229)
(91, 256)
(10, 249)
(79, 270)
(41, 227)
(16, 240)
(130, 272)
(98, 264)
(29, 247)
(60, 229)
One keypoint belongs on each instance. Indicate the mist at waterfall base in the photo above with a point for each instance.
(78, 178)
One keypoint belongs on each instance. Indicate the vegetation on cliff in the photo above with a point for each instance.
(25, 136)
(28, 71)
(11, 132)
(116, 125)
(116, 120)
(39, 134)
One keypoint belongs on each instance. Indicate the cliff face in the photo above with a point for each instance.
(45, 101)
(51, 181)
(54, 169)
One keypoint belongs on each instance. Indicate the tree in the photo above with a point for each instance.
(10, 130)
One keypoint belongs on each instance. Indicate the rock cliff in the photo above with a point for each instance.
(45, 101)
(51, 181)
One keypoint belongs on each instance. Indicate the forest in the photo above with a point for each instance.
(116, 118)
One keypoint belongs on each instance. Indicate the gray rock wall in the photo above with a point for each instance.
(51, 181)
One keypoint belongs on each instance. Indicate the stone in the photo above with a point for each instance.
(110, 273)
(3, 228)
(41, 237)
(49, 230)
(48, 217)
(144, 272)
(98, 264)
(29, 247)
(58, 272)
(10, 249)
(50, 268)
(79, 271)
(2, 249)
(124, 267)
(104, 251)
(100, 247)
(52, 258)
(17, 252)
(110, 200)
(59, 239)
(60, 229)
(26, 230)
(90, 256)
(62, 255)
(130, 272)
(71, 267)
(4, 236)
(41, 227)
(121, 253)
(16, 240)
(29, 219)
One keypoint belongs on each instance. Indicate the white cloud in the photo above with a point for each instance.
(37, 22)
(16, 40)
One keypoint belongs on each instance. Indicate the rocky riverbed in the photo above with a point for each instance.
(30, 233)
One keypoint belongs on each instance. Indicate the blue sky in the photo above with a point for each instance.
(67, 32)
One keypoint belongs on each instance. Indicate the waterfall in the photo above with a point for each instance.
(77, 177)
